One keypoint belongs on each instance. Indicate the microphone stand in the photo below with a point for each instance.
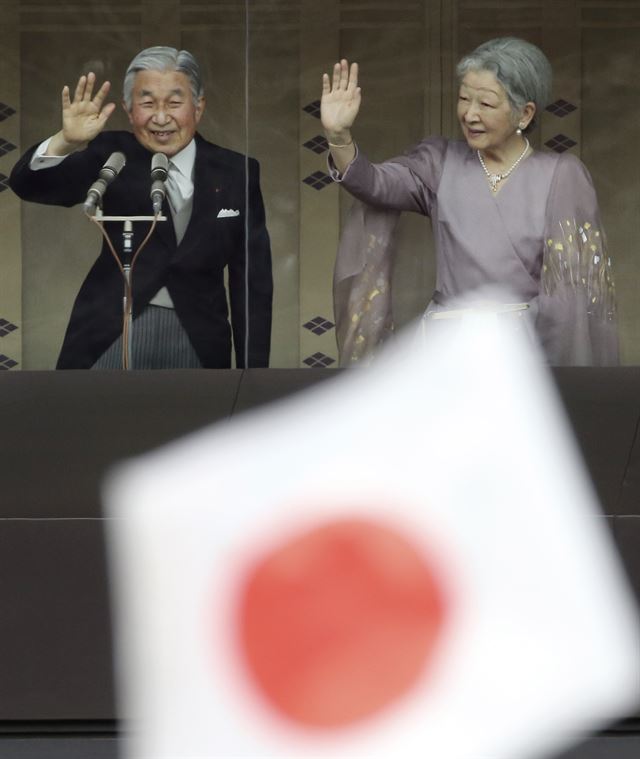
(127, 300)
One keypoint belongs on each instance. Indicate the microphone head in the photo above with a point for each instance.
(94, 195)
(113, 166)
(159, 167)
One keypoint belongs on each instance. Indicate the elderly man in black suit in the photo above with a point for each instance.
(215, 220)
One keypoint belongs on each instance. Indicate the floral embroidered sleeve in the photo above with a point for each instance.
(362, 283)
(577, 303)
(364, 264)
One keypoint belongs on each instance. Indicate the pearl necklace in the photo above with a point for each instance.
(495, 178)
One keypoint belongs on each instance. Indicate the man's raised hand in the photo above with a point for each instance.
(83, 117)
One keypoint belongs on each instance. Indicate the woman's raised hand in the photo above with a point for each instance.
(340, 101)
(84, 117)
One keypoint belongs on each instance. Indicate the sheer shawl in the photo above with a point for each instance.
(365, 260)
(362, 283)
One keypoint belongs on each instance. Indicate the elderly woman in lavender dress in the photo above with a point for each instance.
(502, 214)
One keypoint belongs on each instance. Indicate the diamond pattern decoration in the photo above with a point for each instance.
(318, 180)
(5, 147)
(7, 110)
(560, 143)
(318, 144)
(313, 109)
(6, 328)
(319, 325)
(4, 183)
(560, 108)
(319, 361)
(6, 362)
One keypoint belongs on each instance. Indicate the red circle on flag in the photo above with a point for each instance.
(340, 622)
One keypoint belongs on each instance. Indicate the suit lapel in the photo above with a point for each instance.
(209, 191)
(212, 192)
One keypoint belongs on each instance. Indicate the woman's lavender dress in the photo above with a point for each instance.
(539, 237)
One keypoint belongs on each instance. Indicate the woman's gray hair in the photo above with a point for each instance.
(521, 68)
(161, 58)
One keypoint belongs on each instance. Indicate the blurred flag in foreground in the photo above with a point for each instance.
(405, 562)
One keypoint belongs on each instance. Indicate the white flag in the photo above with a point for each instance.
(408, 561)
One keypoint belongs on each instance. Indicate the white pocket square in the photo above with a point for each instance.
(226, 212)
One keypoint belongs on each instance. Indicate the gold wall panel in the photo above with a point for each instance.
(610, 124)
(11, 324)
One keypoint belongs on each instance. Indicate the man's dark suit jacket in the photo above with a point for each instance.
(192, 271)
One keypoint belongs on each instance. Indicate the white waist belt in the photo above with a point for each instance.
(494, 308)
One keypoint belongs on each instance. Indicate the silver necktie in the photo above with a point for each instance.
(180, 207)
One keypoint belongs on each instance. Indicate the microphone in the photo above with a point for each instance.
(113, 166)
(159, 172)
